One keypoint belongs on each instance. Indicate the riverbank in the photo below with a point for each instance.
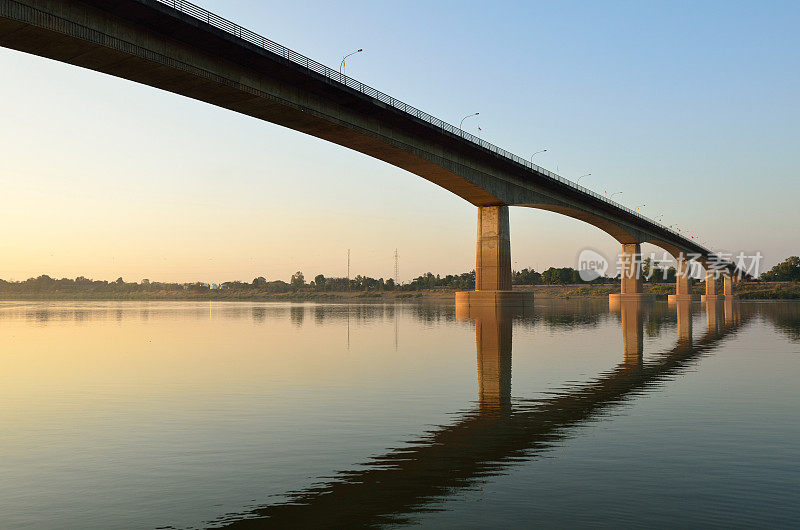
(743, 291)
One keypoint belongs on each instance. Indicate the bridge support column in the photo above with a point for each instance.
(711, 288)
(493, 250)
(493, 263)
(727, 286)
(682, 288)
(630, 276)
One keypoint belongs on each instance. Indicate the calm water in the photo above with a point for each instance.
(184, 415)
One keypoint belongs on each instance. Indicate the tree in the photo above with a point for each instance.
(526, 277)
(570, 275)
(463, 282)
(259, 282)
(551, 275)
(319, 281)
(298, 280)
(562, 275)
(786, 271)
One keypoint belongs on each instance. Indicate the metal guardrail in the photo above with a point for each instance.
(245, 34)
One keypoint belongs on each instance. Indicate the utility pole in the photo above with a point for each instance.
(396, 268)
(396, 283)
(348, 305)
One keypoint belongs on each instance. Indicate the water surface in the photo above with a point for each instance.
(195, 415)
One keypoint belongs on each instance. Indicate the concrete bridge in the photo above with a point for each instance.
(179, 47)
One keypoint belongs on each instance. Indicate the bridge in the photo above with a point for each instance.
(179, 47)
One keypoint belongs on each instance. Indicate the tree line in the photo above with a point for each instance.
(42, 286)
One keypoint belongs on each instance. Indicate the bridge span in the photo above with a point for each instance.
(179, 47)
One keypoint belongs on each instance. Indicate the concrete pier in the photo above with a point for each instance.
(493, 250)
(493, 263)
(727, 286)
(630, 276)
(711, 288)
(682, 288)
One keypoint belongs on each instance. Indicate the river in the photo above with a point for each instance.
(570, 413)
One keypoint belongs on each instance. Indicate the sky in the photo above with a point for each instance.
(687, 108)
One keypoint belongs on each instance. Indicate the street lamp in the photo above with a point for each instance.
(341, 65)
(461, 125)
(579, 178)
(536, 153)
(615, 193)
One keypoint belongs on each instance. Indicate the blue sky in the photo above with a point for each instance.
(690, 109)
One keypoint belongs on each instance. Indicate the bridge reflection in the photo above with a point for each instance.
(632, 330)
(493, 340)
(499, 431)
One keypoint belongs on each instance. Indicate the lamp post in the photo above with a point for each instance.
(341, 65)
(577, 182)
(615, 193)
(461, 125)
(536, 153)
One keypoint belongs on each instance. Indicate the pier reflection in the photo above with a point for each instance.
(493, 339)
(713, 310)
(684, 310)
(632, 321)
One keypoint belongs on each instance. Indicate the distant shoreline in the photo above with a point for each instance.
(745, 291)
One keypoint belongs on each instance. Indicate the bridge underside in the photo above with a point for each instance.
(70, 32)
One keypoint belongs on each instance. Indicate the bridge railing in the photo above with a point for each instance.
(236, 30)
